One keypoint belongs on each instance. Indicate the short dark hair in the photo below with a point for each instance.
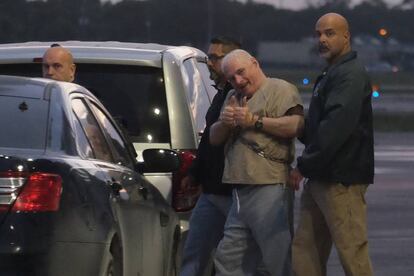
(55, 45)
(229, 44)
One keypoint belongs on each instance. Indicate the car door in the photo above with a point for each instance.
(128, 203)
(136, 205)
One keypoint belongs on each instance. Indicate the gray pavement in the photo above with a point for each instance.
(390, 208)
(386, 102)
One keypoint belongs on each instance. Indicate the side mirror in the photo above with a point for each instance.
(160, 160)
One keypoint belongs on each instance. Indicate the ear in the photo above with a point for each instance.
(73, 69)
(347, 36)
(255, 62)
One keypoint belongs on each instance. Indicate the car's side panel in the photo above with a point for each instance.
(143, 215)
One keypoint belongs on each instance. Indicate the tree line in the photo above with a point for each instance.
(189, 22)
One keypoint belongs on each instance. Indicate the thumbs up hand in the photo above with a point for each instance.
(233, 101)
(243, 116)
(227, 115)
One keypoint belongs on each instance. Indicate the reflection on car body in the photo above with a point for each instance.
(73, 200)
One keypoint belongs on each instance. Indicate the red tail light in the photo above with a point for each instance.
(41, 193)
(183, 199)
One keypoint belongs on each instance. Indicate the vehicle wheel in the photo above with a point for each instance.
(110, 267)
(116, 261)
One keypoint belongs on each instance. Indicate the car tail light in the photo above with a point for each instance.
(36, 192)
(184, 199)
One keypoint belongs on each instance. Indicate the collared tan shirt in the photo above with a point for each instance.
(244, 165)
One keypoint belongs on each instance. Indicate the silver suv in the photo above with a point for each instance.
(159, 94)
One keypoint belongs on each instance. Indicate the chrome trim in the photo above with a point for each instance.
(7, 199)
(7, 190)
(9, 187)
(12, 182)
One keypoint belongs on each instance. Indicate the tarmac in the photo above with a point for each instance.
(390, 202)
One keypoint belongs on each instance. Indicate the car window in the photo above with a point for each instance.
(82, 141)
(145, 117)
(197, 94)
(23, 119)
(93, 132)
(120, 148)
(208, 83)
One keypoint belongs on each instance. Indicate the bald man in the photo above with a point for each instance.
(58, 64)
(258, 123)
(338, 159)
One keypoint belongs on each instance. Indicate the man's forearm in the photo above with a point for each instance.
(219, 132)
(288, 126)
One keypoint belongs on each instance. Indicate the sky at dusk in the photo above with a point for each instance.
(300, 4)
(292, 4)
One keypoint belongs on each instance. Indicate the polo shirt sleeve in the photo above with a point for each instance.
(287, 96)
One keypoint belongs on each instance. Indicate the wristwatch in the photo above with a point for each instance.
(258, 125)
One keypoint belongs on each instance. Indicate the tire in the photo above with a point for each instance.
(110, 267)
(115, 263)
(175, 262)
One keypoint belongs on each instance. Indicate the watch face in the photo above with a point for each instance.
(258, 124)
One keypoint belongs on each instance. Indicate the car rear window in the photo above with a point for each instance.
(23, 119)
(134, 95)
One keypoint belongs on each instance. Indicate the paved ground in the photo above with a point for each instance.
(390, 208)
(387, 102)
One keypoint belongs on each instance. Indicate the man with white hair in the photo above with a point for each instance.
(258, 123)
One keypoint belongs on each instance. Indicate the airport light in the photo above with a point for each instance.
(375, 91)
(383, 32)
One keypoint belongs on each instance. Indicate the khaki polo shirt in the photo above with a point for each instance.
(245, 166)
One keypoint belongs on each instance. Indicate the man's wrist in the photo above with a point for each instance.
(251, 120)
(258, 123)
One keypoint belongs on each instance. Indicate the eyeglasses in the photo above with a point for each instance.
(214, 57)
